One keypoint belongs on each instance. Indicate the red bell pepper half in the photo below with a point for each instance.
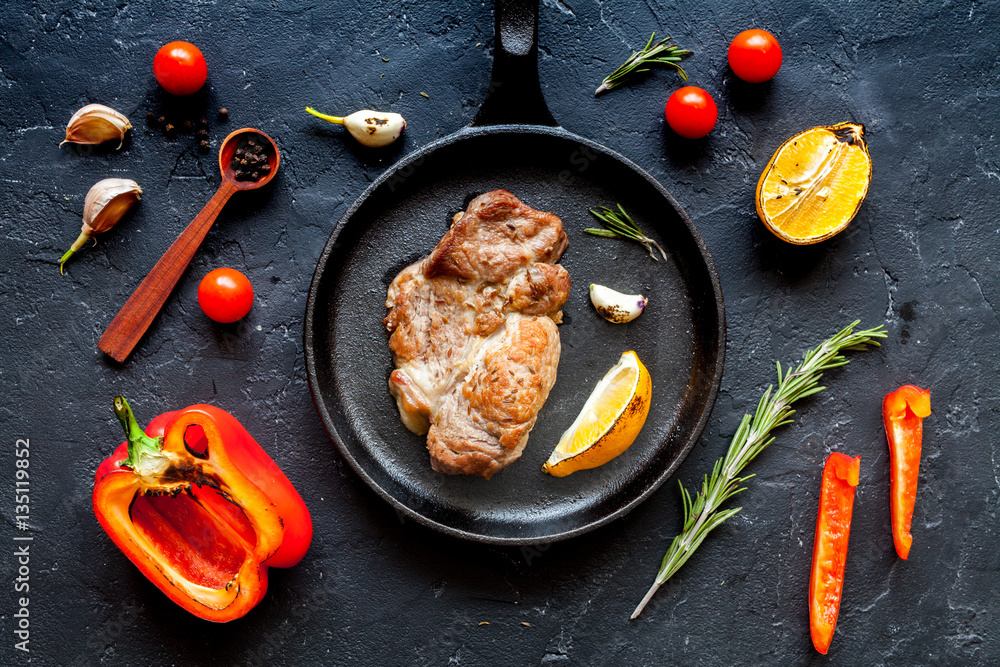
(833, 527)
(903, 413)
(200, 509)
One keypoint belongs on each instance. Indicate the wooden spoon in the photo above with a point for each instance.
(141, 309)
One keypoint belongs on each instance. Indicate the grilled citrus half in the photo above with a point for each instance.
(815, 183)
(609, 422)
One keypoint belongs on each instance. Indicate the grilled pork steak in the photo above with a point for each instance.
(473, 333)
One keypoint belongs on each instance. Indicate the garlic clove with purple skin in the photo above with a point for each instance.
(617, 307)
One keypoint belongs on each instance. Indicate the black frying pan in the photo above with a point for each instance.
(515, 144)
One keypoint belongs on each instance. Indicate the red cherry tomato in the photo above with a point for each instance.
(225, 295)
(755, 56)
(180, 68)
(691, 112)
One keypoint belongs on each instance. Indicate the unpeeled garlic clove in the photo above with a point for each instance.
(371, 128)
(95, 124)
(615, 306)
(103, 207)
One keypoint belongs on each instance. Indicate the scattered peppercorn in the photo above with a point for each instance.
(223, 113)
(176, 123)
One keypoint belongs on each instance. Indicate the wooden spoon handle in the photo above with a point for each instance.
(131, 322)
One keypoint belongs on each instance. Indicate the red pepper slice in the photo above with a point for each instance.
(200, 509)
(833, 527)
(903, 413)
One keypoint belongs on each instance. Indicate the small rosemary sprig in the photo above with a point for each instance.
(662, 53)
(702, 514)
(620, 225)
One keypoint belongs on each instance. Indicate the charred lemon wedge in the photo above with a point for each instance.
(609, 421)
(815, 183)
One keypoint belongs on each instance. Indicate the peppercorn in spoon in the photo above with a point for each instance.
(248, 159)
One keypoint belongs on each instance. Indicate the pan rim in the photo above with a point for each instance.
(310, 351)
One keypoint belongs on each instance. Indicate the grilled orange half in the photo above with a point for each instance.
(814, 185)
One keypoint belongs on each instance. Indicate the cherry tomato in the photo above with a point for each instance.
(180, 68)
(691, 112)
(225, 295)
(755, 56)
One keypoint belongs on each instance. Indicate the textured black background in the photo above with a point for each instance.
(921, 257)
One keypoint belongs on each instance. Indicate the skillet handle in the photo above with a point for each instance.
(515, 94)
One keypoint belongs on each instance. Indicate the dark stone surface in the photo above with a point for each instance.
(920, 257)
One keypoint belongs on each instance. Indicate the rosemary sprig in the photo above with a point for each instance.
(702, 514)
(619, 224)
(662, 53)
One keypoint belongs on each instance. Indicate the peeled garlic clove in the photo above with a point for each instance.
(95, 124)
(371, 128)
(374, 128)
(104, 206)
(615, 306)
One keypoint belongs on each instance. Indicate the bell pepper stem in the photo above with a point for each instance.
(141, 447)
(332, 119)
(77, 244)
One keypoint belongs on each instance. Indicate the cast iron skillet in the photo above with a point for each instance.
(515, 144)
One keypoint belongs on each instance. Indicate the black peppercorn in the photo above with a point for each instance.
(202, 134)
(150, 117)
(202, 123)
(162, 120)
(203, 146)
(250, 159)
(187, 126)
(170, 129)
(223, 113)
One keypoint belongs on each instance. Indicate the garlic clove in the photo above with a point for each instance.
(95, 124)
(375, 128)
(371, 128)
(615, 306)
(106, 203)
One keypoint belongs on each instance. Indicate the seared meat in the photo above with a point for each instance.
(473, 333)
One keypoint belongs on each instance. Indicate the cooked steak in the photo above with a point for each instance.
(473, 333)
